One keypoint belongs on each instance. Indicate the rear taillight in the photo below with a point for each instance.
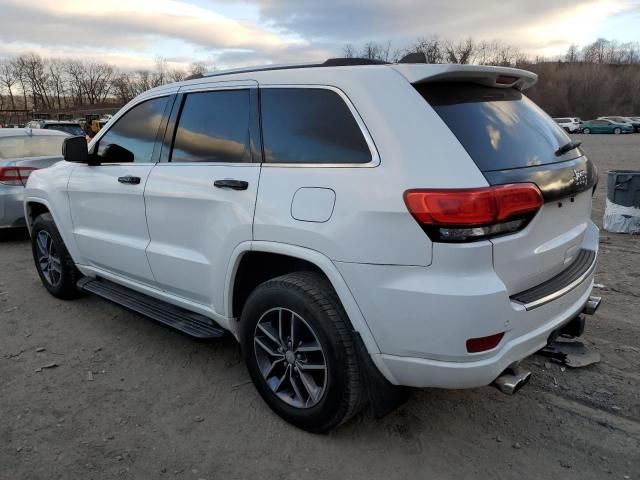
(15, 175)
(460, 215)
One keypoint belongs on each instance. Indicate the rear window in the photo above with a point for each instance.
(34, 146)
(213, 127)
(499, 128)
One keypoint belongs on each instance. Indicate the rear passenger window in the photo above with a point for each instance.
(213, 127)
(310, 125)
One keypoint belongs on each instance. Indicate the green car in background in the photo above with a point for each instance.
(605, 126)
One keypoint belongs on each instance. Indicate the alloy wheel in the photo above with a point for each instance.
(48, 258)
(290, 358)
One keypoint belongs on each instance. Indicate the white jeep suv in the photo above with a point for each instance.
(357, 226)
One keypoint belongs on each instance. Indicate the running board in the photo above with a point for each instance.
(193, 324)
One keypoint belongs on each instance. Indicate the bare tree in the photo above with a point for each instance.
(348, 51)
(8, 78)
(460, 52)
(198, 68)
(572, 54)
(57, 83)
(97, 81)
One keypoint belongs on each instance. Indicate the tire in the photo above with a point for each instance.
(586, 131)
(59, 275)
(617, 131)
(309, 301)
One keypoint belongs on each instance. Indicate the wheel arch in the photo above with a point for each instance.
(34, 207)
(304, 258)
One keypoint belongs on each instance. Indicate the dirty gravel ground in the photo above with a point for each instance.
(161, 405)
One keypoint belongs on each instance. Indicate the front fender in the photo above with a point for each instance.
(48, 187)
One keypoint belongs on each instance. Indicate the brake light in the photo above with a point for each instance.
(458, 215)
(506, 80)
(15, 175)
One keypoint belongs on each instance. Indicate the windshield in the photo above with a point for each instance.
(499, 128)
(68, 128)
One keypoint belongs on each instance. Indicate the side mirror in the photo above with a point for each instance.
(74, 149)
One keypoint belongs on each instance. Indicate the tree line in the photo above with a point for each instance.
(470, 51)
(32, 82)
(602, 78)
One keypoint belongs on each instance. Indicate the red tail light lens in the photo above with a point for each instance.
(482, 344)
(15, 175)
(466, 214)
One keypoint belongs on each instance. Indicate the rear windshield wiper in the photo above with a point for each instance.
(567, 148)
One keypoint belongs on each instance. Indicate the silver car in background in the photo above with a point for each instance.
(23, 150)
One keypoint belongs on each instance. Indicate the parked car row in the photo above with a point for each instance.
(612, 124)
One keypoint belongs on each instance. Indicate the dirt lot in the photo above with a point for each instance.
(132, 399)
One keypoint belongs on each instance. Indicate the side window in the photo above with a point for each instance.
(310, 125)
(133, 136)
(213, 127)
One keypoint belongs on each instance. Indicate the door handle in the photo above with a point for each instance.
(129, 180)
(230, 183)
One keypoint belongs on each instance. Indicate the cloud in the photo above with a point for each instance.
(536, 26)
(109, 21)
(130, 33)
(130, 29)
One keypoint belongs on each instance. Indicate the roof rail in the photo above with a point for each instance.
(332, 62)
(344, 62)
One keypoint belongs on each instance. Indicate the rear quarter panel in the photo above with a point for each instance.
(370, 222)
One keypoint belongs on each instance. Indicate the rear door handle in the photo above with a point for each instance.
(230, 183)
(129, 180)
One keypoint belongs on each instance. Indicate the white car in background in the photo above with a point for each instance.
(570, 124)
(23, 150)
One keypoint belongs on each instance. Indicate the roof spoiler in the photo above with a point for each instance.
(498, 77)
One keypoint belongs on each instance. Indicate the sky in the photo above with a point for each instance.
(131, 34)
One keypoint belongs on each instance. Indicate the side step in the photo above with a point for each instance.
(193, 324)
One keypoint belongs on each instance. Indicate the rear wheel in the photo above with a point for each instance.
(300, 353)
(55, 266)
(617, 131)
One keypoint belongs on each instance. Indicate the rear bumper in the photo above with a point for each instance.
(421, 372)
(11, 208)
(421, 317)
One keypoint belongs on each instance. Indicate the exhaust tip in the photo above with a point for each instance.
(592, 305)
(512, 380)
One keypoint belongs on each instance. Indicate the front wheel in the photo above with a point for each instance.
(586, 131)
(55, 266)
(299, 350)
(617, 131)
